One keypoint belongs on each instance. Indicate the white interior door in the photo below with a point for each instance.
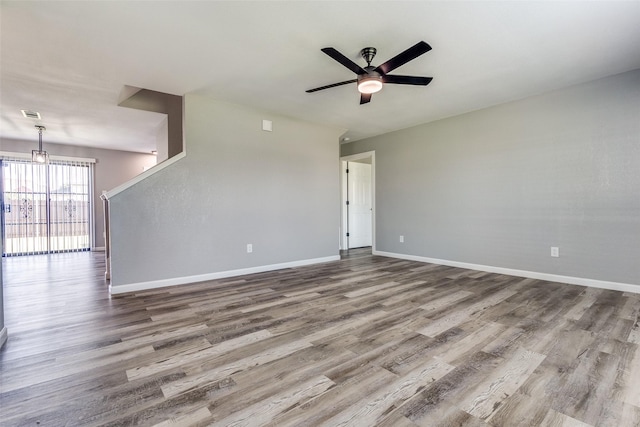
(360, 205)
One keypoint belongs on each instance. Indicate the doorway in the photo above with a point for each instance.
(46, 208)
(358, 201)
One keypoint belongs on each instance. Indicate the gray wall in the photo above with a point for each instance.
(500, 186)
(112, 169)
(237, 185)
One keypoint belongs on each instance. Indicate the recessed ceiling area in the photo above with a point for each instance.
(70, 61)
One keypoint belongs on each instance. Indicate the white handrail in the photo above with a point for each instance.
(155, 169)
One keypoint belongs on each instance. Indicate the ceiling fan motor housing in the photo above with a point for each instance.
(368, 53)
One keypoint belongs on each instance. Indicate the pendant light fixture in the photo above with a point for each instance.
(39, 155)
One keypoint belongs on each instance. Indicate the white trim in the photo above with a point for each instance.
(352, 157)
(99, 249)
(92, 204)
(141, 286)
(144, 175)
(602, 284)
(27, 156)
(4, 334)
(359, 156)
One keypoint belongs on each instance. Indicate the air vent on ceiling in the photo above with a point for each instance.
(31, 114)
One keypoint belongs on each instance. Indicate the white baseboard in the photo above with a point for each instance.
(602, 284)
(3, 336)
(141, 286)
(99, 249)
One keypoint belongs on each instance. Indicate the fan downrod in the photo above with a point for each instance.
(368, 53)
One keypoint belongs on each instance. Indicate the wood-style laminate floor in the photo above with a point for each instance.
(364, 341)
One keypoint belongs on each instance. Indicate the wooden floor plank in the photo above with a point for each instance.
(486, 397)
(192, 356)
(263, 412)
(371, 410)
(190, 419)
(348, 391)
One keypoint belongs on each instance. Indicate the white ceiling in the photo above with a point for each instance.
(70, 61)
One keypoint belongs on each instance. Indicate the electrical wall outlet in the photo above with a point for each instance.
(555, 251)
(249, 248)
(401, 239)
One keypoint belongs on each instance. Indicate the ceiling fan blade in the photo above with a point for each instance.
(404, 57)
(344, 60)
(331, 85)
(364, 98)
(407, 80)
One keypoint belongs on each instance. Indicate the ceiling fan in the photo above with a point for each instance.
(370, 79)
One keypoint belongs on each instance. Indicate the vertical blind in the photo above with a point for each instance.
(46, 207)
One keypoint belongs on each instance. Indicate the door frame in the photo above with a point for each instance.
(343, 197)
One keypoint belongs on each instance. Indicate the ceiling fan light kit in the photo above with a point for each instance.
(369, 84)
(370, 79)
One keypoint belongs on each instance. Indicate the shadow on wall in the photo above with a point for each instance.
(159, 102)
